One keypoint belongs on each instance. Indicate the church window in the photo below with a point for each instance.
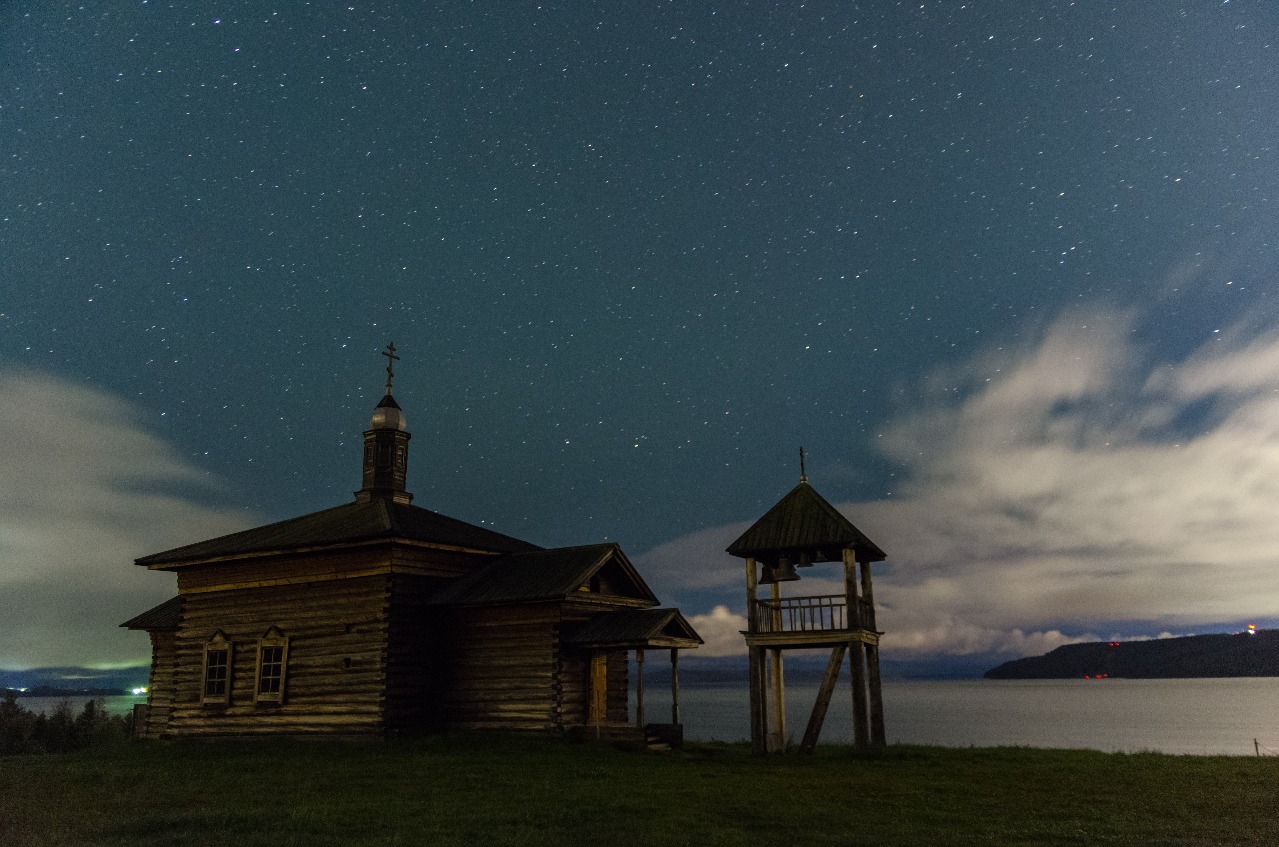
(215, 685)
(273, 653)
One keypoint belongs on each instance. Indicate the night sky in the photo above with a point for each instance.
(1005, 270)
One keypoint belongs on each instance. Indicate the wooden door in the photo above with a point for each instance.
(597, 707)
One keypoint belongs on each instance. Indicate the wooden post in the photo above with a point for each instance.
(759, 704)
(877, 734)
(639, 688)
(850, 589)
(861, 721)
(875, 692)
(868, 594)
(674, 686)
(823, 698)
(778, 679)
(759, 709)
(856, 657)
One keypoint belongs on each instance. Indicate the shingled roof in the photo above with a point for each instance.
(803, 521)
(632, 628)
(379, 518)
(167, 615)
(538, 575)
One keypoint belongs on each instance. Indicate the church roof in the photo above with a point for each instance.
(379, 518)
(167, 615)
(803, 521)
(540, 575)
(635, 628)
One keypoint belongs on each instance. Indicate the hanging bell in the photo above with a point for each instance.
(783, 571)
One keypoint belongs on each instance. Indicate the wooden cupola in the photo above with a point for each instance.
(386, 446)
(800, 531)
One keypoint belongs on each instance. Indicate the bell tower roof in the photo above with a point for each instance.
(803, 522)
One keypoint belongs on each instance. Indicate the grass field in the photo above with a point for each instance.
(499, 791)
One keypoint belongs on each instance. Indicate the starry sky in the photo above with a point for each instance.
(1005, 270)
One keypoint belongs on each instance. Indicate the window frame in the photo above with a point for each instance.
(217, 644)
(272, 639)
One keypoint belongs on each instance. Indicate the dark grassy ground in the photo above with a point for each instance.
(493, 791)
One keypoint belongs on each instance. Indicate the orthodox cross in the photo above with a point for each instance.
(803, 475)
(391, 359)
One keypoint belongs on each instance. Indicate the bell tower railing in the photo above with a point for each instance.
(823, 613)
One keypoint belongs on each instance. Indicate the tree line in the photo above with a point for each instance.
(23, 731)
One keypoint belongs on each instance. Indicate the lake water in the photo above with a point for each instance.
(1197, 716)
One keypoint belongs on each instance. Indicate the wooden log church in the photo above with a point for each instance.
(381, 618)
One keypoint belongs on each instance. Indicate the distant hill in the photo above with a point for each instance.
(1166, 658)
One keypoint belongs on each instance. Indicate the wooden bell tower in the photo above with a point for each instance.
(801, 531)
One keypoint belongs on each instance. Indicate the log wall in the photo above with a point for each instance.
(503, 670)
(336, 665)
(416, 668)
(575, 688)
(263, 571)
(160, 685)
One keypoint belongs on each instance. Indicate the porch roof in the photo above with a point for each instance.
(541, 575)
(635, 629)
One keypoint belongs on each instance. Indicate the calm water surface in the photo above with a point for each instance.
(1199, 716)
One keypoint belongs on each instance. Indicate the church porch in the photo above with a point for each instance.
(634, 633)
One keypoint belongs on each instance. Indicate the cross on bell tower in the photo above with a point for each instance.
(386, 446)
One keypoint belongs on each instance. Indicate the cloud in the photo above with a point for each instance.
(84, 490)
(1076, 485)
(721, 629)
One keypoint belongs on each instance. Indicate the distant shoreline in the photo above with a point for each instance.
(49, 691)
(1254, 653)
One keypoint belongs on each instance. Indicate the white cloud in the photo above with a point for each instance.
(721, 630)
(1067, 487)
(695, 561)
(82, 494)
